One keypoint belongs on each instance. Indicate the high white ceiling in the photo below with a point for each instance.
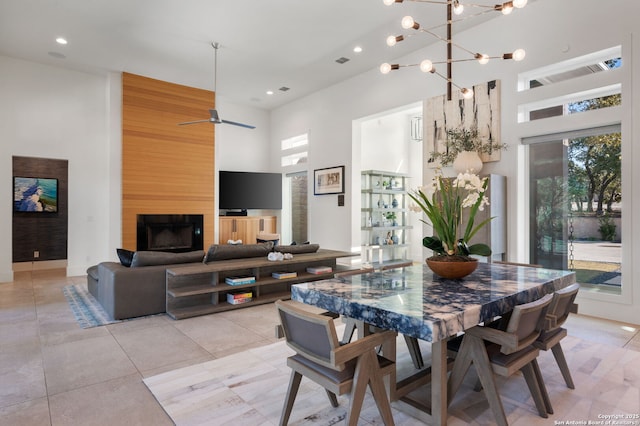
(264, 44)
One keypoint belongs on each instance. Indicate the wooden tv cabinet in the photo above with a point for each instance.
(201, 289)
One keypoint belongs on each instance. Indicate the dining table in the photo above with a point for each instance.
(418, 303)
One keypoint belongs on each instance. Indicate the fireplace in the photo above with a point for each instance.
(170, 232)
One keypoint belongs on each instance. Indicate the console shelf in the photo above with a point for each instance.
(201, 289)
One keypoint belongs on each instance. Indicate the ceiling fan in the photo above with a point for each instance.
(214, 117)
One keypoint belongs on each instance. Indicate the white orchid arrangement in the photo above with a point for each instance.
(443, 202)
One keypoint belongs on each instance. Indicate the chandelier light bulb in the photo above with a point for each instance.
(519, 4)
(408, 22)
(392, 40)
(507, 8)
(426, 66)
(467, 93)
(458, 8)
(386, 68)
(388, 2)
(482, 59)
(518, 54)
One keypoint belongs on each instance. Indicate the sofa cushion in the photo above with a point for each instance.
(227, 251)
(151, 258)
(125, 256)
(297, 248)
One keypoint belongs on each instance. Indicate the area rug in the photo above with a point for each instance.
(86, 309)
(248, 388)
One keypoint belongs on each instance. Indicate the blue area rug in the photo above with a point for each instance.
(88, 312)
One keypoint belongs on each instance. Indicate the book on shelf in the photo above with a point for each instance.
(238, 298)
(284, 275)
(319, 270)
(239, 280)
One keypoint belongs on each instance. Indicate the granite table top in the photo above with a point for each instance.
(416, 302)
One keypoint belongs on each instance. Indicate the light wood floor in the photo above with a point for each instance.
(52, 372)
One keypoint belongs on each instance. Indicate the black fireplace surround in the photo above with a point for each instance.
(170, 232)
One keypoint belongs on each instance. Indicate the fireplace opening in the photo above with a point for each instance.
(172, 233)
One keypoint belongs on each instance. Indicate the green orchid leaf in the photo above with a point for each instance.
(480, 249)
(434, 244)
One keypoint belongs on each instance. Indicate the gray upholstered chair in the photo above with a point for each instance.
(340, 369)
(561, 306)
(505, 352)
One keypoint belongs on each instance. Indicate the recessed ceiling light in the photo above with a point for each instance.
(269, 92)
(61, 40)
(357, 49)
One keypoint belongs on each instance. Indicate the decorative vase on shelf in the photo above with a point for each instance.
(467, 161)
(448, 267)
(394, 203)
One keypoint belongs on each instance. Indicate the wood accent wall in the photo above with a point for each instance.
(166, 168)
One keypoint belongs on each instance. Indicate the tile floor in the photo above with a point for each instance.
(52, 372)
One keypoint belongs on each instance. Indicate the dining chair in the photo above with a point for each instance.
(340, 369)
(562, 305)
(413, 346)
(504, 352)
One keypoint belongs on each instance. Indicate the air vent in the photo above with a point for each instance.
(56, 55)
(342, 60)
(283, 89)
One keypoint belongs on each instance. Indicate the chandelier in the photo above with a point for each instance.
(454, 7)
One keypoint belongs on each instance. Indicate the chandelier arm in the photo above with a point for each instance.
(447, 41)
(428, 1)
(455, 21)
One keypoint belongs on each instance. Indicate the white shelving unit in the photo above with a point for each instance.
(384, 218)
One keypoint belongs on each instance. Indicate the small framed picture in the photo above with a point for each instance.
(328, 181)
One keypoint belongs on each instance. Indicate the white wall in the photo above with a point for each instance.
(238, 148)
(54, 113)
(551, 32)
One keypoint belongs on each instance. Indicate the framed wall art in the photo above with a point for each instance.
(482, 112)
(328, 181)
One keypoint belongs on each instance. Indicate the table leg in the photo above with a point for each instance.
(439, 401)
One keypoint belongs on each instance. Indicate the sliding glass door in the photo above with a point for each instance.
(576, 204)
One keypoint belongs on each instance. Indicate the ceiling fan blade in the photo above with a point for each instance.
(194, 122)
(248, 126)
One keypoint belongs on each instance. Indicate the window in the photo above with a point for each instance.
(569, 100)
(294, 151)
(576, 206)
(294, 214)
(575, 173)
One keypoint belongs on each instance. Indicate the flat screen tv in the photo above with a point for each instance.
(249, 190)
(35, 195)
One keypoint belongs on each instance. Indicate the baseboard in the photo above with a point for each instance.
(44, 265)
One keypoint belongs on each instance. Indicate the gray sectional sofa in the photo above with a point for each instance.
(136, 286)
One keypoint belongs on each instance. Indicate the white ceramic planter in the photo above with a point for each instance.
(467, 161)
